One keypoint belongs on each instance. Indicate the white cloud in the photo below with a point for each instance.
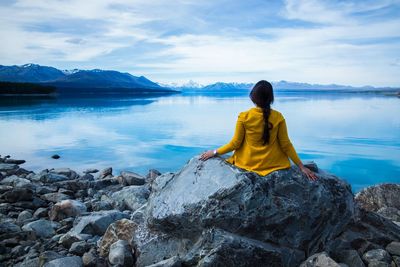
(338, 47)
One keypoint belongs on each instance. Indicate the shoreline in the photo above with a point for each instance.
(64, 218)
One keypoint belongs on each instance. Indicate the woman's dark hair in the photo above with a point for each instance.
(263, 96)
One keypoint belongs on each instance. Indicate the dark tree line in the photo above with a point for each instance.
(25, 88)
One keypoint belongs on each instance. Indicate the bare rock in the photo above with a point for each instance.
(377, 255)
(393, 248)
(131, 197)
(42, 228)
(119, 230)
(171, 262)
(96, 223)
(131, 178)
(376, 197)
(67, 208)
(121, 254)
(73, 261)
(319, 260)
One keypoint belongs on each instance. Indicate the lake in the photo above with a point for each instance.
(354, 136)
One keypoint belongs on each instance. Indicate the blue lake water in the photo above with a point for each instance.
(354, 136)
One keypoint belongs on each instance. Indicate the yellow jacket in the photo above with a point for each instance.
(250, 152)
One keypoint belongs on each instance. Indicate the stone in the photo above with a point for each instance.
(152, 246)
(375, 255)
(152, 175)
(51, 177)
(220, 248)
(47, 256)
(14, 161)
(55, 197)
(131, 197)
(92, 259)
(29, 262)
(104, 173)
(349, 257)
(73, 261)
(67, 208)
(319, 260)
(96, 223)
(79, 248)
(171, 262)
(18, 194)
(131, 178)
(8, 227)
(119, 230)
(15, 181)
(24, 215)
(103, 183)
(41, 213)
(396, 260)
(376, 197)
(90, 170)
(41, 190)
(5, 167)
(295, 211)
(120, 254)
(393, 248)
(390, 213)
(42, 228)
(65, 171)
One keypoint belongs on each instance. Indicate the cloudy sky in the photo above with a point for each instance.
(344, 42)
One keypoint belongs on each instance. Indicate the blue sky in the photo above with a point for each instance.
(344, 42)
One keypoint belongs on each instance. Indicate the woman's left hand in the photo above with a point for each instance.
(206, 155)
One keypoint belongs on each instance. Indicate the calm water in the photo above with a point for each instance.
(356, 137)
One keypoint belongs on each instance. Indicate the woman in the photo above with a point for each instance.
(261, 141)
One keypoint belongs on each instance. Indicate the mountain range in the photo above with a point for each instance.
(95, 81)
(80, 81)
(280, 85)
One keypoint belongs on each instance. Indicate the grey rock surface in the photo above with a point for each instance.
(120, 254)
(131, 178)
(171, 262)
(374, 255)
(349, 257)
(73, 261)
(295, 212)
(393, 248)
(96, 223)
(376, 197)
(131, 197)
(42, 228)
(319, 260)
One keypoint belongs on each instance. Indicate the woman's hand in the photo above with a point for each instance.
(309, 173)
(206, 155)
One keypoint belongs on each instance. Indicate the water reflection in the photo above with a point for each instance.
(356, 137)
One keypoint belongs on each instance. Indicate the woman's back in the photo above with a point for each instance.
(250, 151)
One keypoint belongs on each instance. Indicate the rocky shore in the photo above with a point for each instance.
(207, 214)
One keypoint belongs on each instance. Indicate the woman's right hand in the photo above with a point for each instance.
(309, 173)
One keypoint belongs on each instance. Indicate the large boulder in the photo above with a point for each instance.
(283, 208)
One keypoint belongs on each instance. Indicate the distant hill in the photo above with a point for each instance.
(281, 85)
(29, 73)
(81, 81)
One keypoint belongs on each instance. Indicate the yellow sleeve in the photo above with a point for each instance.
(237, 138)
(285, 143)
